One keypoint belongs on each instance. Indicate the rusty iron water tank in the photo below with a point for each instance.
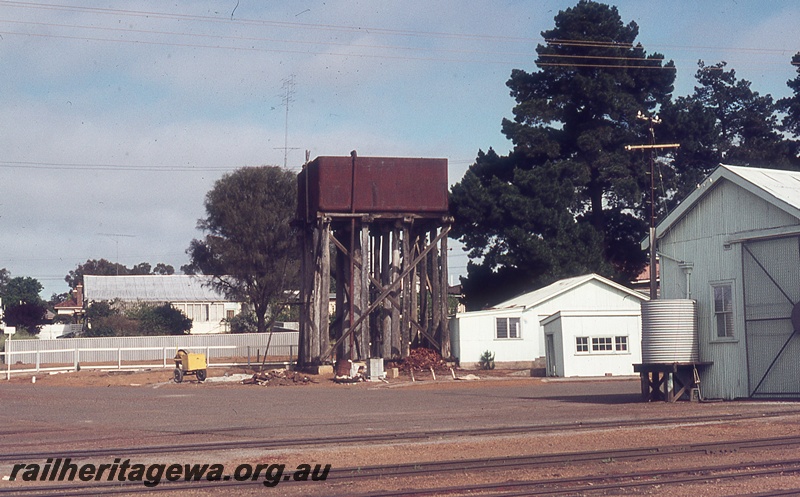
(382, 185)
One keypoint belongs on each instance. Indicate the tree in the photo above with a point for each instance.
(791, 105)
(21, 290)
(160, 320)
(26, 315)
(4, 277)
(102, 267)
(250, 245)
(22, 305)
(723, 121)
(568, 199)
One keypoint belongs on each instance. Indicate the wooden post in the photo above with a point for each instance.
(396, 341)
(445, 303)
(363, 290)
(422, 317)
(341, 305)
(385, 275)
(323, 288)
(436, 293)
(405, 324)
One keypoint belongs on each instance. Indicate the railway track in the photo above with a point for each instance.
(420, 471)
(386, 438)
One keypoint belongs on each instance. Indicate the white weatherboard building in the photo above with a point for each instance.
(208, 310)
(733, 245)
(593, 343)
(514, 333)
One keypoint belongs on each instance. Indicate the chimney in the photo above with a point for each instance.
(79, 295)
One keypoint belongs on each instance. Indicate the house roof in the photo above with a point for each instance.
(778, 187)
(542, 295)
(151, 288)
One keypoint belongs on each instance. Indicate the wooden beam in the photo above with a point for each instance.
(388, 290)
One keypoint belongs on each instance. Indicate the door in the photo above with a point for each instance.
(550, 353)
(771, 283)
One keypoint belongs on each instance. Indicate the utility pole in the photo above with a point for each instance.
(652, 121)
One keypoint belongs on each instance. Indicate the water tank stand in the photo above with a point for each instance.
(668, 382)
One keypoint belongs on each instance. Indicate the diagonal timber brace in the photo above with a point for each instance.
(386, 292)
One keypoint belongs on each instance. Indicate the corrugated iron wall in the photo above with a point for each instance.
(771, 288)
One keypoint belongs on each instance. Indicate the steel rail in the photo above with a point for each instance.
(437, 468)
(395, 437)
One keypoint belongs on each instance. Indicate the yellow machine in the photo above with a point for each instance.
(187, 363)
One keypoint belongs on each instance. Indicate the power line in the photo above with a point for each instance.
(105, 167)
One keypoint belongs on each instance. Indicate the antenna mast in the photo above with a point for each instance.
(287, 97)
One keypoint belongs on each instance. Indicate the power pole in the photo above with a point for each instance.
(652, 121)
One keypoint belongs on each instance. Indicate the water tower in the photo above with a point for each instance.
(374, 257)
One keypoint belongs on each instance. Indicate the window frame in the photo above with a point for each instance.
(729, 323)
(509, 321)
(601, 344)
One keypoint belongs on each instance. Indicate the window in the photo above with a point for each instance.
(229, 314)
(723, 310)
(601, 344)
(507, 327)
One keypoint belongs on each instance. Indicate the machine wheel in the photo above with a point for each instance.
(178, 375)
(201, 375)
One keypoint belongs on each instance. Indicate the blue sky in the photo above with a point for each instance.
(117, 117)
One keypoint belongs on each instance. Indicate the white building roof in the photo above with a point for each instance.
(151, 288)
(778, 187)
(536, 297)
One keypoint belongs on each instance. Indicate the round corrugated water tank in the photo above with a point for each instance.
(669, 331)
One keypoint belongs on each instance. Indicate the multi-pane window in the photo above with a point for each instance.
(507, 327)
(723, 310)
(601, 344)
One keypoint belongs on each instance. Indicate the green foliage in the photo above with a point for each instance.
(102, 267)
(21, 290)
(487, 360)
(244, 322)
(790, 106)
(22, 306)
(141, 319)
(250, 246)
(569, 199)
(27, 316)
(159, 320)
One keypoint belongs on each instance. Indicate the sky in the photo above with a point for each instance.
(116, 118)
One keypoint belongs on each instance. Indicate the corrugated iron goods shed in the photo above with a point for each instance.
(733, 246)
(151, 288)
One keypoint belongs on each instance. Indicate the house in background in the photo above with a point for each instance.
(193, 295)
(73, 306)
(514, 333)
(733, 246)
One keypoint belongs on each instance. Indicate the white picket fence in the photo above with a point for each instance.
(70, 354)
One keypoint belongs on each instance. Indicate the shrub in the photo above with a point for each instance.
(487, 360)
